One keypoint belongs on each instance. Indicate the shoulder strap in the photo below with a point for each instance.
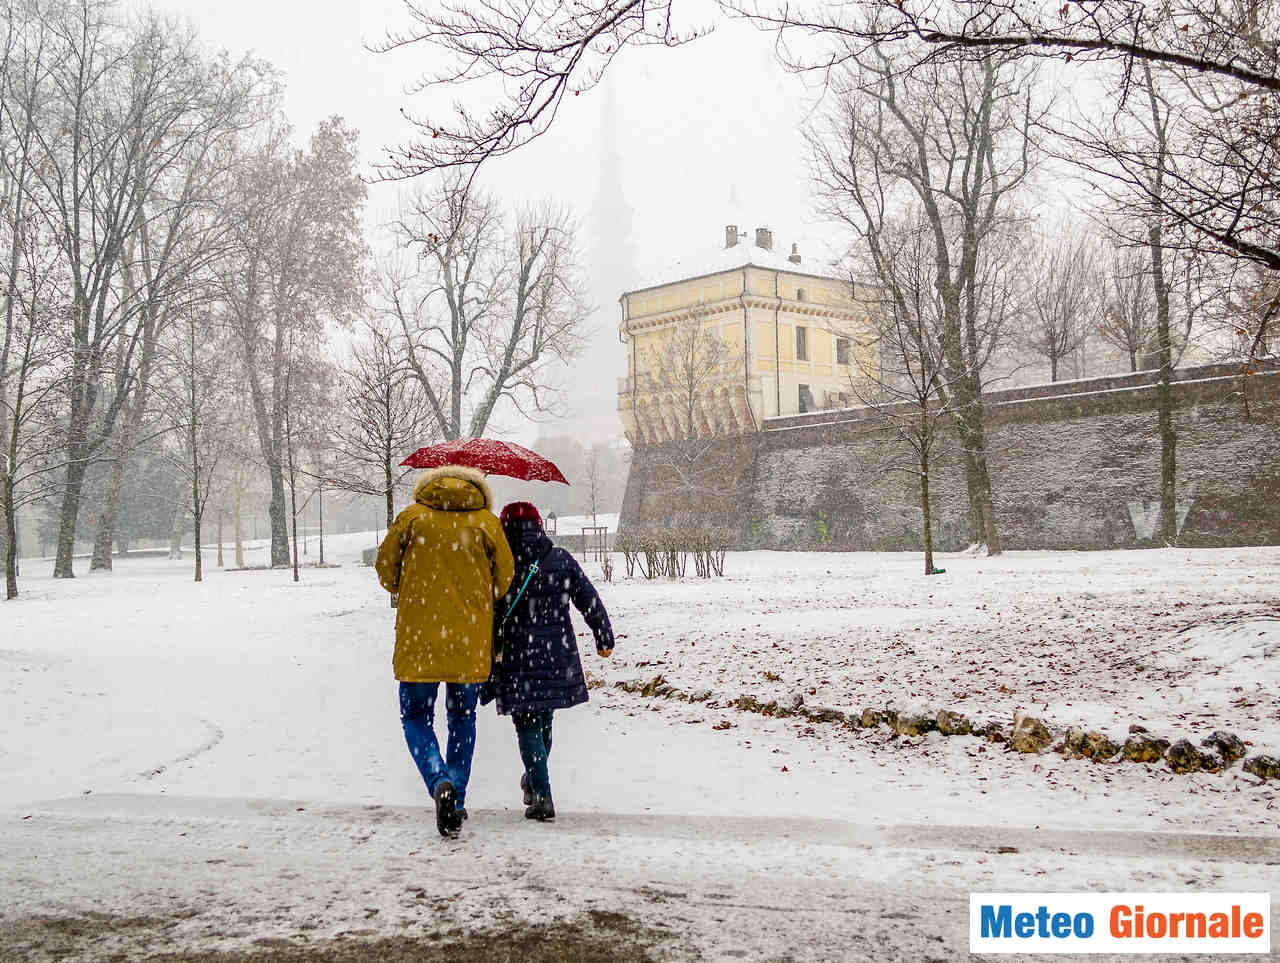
(516, 600)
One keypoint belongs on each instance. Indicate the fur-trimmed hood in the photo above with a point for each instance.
(453, 488)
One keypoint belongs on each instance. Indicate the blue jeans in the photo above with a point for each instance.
(417, 714)
(533, 733)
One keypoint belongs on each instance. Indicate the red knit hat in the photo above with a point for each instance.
(520, 512)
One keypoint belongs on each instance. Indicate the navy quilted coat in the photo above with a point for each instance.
(540, 667)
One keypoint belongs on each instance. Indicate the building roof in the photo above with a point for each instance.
(723, 259)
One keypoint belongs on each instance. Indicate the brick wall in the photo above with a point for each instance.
(1074, 465)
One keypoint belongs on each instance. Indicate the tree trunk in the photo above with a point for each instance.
(320, 495)
(1164, 396)
(220, 564)
(967, 416)
(926, 516)
(390, 493)
(195, 542)
(293, 500)
(239, 525)
(175, 536)
(62, 565)
(105, 535)
(1164, 345)
(10, 540)
(986, 501)
(977, 523)
(1053, 368)
(1133, 360)
(982, 522)
(278, 511)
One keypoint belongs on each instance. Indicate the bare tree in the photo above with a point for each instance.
(118, 110)
(33, 379)
(489, 309)
(183, 225)
(24, 68)
(195, 402)
(385, 415)
(1137, 155)
(1061, 293)
(1219, 62)
(898, 368)
(684, 369)
(594, 483)
(1127, 318)
(1242, 309)
(953, 139)
(295, 261)
(536, 53)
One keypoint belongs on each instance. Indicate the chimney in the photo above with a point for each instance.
(764, 238)
(795, 256)
(730, 235)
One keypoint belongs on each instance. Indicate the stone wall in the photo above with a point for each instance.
(1074, 465)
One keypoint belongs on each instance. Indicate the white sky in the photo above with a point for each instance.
(708, 134)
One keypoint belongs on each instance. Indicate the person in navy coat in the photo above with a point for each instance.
(537, 669)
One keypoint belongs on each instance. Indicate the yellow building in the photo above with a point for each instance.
(743, 334)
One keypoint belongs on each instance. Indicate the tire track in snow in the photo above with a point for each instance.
(213, 737)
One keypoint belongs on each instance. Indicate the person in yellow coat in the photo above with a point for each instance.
(448, 560)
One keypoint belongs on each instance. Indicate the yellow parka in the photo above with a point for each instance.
(447, 557)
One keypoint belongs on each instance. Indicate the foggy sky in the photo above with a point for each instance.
(705, 135)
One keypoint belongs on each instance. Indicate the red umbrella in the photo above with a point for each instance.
(489, 456)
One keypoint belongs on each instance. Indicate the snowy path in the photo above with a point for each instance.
(212, 874)
(209, 767)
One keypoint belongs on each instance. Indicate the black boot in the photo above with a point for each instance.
(524, 788)
(542, 809)
(446, 796)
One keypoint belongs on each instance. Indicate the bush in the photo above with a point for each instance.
(666, 552)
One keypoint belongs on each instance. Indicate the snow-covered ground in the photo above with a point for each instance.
(1186, 641)
(222, 763)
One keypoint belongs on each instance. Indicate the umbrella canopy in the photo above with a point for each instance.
(489, 456)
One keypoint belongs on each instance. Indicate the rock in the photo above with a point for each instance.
(1143, 748)
(1029, 734)
(870, 718)
(1183, 757)
(994, 732)
(701, 695)
(1134, 727)
(825, 715)
(1211, 761)
(1072, 743)
(913, 724)
(1098, 747)
(1227, 744)
(953, 723)
(1264, 767)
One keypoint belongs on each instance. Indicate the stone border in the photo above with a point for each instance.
(1027, 734)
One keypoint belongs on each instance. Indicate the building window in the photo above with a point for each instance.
(806, 399)
(802, 344)
(842, 350)
(799, 294)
